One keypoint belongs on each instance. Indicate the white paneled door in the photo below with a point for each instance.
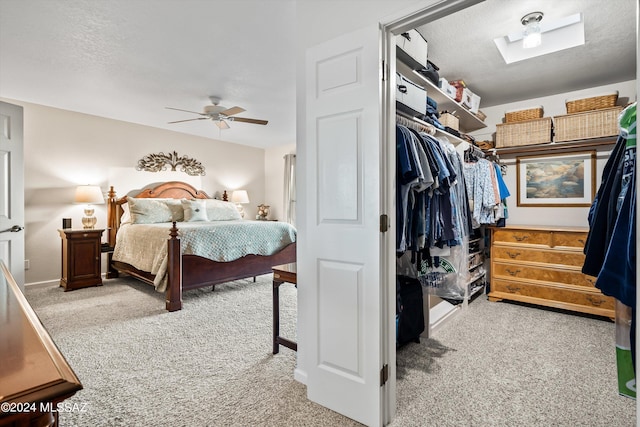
(12, 190)
(341, 266)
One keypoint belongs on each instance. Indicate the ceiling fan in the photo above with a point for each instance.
(219, 114)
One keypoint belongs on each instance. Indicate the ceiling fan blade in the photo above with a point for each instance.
(222, 124)
(246, 120)
(186, 111)
(231, 111)
(189, 120)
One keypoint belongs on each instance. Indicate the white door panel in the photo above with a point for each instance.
(12, 190)
(340, 268)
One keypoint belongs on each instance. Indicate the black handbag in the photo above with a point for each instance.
(431, 72)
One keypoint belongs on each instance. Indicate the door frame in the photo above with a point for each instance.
(403, 22)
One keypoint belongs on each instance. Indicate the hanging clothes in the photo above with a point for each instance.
(610, 250)
(432, 211)
(479, 177)
(610, 247)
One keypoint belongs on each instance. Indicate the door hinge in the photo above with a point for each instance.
(384, 71)
(384, 375)
(384, 223)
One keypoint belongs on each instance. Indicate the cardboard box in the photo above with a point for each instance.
(470, 100)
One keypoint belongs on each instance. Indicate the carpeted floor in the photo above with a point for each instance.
(210, 364)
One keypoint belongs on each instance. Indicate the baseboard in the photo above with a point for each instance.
(300, 376)
(43, 283)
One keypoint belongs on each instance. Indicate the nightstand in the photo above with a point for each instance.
(81, 251)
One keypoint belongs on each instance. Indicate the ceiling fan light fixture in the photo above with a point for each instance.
(221, 124)
(532, 36)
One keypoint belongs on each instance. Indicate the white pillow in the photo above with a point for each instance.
(149, 211)
(218, 210)
(125, 218)
(194, 210)
(177, 211)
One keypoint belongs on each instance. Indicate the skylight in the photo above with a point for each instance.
(563, 33)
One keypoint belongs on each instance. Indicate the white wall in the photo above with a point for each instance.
(64, 149)
(553, 106)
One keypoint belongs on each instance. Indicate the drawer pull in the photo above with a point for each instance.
(513, 289)
(513, 255)
(512, 272)
(582, 241)
(521, 238)
(596, 301)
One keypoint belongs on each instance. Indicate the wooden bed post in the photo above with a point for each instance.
(113, 223)
(174, 269)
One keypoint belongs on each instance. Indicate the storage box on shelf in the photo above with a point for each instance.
(411, 94)
(470, 100)
(515, 116)
(592, 103)
(449, 120)
(529, 132)
(586, 125)
(413, 45)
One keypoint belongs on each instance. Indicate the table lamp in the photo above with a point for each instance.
(89, 195)
(240, 197)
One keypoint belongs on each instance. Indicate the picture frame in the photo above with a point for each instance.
(552, 180)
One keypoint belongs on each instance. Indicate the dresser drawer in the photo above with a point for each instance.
(542, 274)
(528, 237)
(558, 257)
(551, 293)
(569, 239)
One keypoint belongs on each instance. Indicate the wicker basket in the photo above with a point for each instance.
(590, 124)
(593, 103)
(529, 132)
(523, 115)
(449, 120)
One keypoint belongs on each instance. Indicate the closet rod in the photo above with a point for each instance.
(476, 150)
(409, 121)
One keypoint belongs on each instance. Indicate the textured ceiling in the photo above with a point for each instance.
(463, 48)
(128, 60)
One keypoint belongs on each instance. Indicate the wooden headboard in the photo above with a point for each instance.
(165, 190)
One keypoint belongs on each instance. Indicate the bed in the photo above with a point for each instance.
(179, 261)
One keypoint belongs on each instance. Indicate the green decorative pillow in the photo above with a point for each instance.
(148, 211)
(194, 210)
(217, 210)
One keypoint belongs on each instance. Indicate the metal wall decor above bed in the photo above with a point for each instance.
(157, 162)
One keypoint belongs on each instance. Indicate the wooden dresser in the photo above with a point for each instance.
(35, 378)
(542, 265)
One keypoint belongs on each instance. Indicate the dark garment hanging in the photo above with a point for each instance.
(602, 214)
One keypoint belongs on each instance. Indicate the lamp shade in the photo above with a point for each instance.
(240, 196)
(89, 194)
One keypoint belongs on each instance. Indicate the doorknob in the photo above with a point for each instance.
(13, 229)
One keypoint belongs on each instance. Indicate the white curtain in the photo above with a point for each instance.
(290, 188)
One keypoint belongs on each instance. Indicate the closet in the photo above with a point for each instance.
(451, 270)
